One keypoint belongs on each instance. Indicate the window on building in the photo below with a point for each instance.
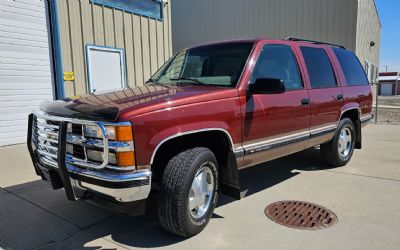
(351, 67)
(106, 68)
(150, 8)
(277, 61)
(319, 67)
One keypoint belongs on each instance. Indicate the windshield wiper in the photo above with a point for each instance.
(193, 80)
(151, 80)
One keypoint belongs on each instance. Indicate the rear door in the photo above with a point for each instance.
(325, 92)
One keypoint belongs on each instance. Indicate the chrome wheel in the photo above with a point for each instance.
(345, 142)
(201, 191)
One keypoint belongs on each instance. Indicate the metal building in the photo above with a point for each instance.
(51, 49)
(109, 44)
(354, 24)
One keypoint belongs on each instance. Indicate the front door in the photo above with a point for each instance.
(276, 124)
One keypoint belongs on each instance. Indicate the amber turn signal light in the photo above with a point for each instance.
(126, 159)
(123, 133)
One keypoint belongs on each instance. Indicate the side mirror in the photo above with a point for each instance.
(267, 86)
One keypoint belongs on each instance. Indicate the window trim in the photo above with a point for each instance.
(111, 4)
(332, 63)
(299, 70)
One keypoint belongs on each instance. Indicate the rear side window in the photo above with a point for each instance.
(319, 67)
(351, 67)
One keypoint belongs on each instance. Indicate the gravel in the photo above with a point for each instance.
(388, 116)
(389, 100)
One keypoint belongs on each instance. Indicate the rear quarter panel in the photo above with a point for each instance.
(358, 97)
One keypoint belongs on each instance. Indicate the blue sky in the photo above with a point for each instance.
(389, 13)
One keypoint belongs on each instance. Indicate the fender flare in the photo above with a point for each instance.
(231, 145)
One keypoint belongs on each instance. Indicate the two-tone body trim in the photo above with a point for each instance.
(323, 130)
(286, 140)
(366, 118)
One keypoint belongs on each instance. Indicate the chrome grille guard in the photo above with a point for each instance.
(46, 135)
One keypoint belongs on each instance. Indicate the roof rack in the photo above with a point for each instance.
(294, 39)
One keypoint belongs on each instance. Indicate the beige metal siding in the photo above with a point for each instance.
(368, 29)
(195, 22)
(146, 41)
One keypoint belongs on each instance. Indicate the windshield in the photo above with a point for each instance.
(214, 65)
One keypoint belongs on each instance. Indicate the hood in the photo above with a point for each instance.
(133, 101)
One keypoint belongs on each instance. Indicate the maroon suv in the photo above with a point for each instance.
(208, 112)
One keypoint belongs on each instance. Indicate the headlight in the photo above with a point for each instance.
(118, 133)
(120, 157)
(95, 132)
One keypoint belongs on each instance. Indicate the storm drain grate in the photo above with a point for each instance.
(300, 214)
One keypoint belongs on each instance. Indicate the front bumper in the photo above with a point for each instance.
(79, 183)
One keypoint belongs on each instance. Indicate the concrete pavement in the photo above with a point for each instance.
(365, 195)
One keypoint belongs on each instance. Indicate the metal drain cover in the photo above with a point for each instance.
(300, 215)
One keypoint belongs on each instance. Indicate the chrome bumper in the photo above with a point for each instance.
(78, 182)
(122, 187)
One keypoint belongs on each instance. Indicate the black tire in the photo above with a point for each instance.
(330, 152)
(173, 206)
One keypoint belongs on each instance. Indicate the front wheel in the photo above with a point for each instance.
(189, 190)
(339, 150)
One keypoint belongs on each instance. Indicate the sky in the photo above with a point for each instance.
(389, 13)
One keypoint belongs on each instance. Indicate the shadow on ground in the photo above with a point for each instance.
(86, 223)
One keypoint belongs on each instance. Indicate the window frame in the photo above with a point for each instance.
(295, 57)
(332, 63)
(120, 51)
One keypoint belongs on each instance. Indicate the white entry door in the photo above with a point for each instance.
(106, 68)
(25, 65)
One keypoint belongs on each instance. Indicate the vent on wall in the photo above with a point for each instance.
(149, 8)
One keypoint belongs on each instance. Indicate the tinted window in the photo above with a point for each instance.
(351, 67)
(277, 61)
(319, 67)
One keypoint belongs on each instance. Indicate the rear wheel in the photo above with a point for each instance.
(339, 150)
(188, 194)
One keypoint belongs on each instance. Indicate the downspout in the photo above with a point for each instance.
(56, 39)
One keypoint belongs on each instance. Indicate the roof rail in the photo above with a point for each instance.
(294, 39)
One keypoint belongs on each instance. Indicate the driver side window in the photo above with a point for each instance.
(277, 61)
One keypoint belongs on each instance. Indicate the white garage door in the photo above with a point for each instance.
(25, 78)
(386, 89)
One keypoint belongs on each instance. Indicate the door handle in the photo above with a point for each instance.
(339, 97)
(305, 101)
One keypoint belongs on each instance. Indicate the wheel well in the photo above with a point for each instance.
(217, 141)
(354, 116)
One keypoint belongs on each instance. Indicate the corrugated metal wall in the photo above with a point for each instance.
(147, 42)
(195, 22)
(368, 29)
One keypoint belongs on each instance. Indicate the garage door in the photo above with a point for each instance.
(386, 89)
(25, 78)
